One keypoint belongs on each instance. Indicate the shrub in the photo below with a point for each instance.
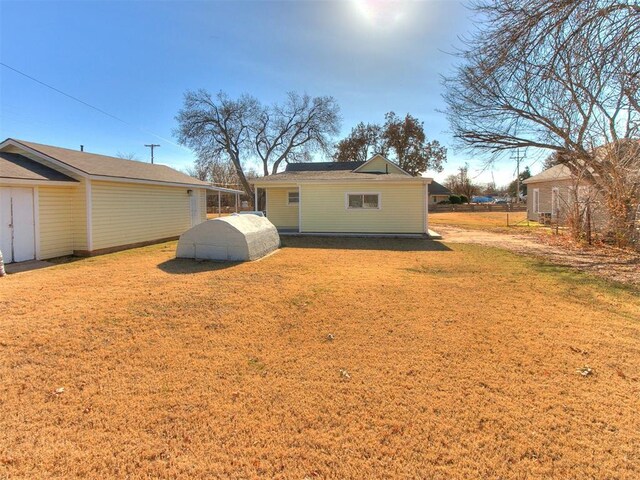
(464, 199)
(455, 199)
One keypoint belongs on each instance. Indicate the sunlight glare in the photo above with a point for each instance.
(380, 13)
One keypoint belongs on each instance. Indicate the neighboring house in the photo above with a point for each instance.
(372, 197)
(552, 193)
(438, 193)
(56, 202)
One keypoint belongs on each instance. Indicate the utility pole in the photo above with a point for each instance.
(152, 146)
(518, 158)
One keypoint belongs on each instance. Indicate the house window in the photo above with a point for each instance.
(536, 200)
(366, 201)
(293, 197)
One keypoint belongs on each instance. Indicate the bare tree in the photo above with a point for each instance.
(294, 130)
(127, 156)
(220, 129)
(215, 127)
(461, 183)
(196, 171)
(561, 75)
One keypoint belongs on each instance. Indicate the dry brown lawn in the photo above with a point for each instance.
(456, 361)
(495, 221)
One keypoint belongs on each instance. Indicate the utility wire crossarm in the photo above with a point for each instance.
(152, 146)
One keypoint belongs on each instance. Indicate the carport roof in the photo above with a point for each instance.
(19, 167)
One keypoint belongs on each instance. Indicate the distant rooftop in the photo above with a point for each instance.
(322, 166)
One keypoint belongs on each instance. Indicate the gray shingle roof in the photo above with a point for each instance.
(335, 175)
(102, 165)
(315, 171)
(13, 165)
(557, 172)
(436, 189)
(322, 166)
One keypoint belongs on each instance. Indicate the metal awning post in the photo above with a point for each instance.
(219, 204)
(255, 205)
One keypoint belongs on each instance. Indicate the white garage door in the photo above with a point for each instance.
(17, 226)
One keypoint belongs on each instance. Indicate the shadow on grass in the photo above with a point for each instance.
(183, 266)
(569, 274)
(366, 243)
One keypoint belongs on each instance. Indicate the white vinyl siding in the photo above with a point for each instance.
(379, 165)
(56, 212)
(127, 213)
(402, 209)
(280, 212)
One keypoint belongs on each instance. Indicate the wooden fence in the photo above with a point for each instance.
(479, 207)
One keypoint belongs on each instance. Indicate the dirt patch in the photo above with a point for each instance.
(610, 263)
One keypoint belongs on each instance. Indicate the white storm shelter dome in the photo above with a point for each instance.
(232, 238)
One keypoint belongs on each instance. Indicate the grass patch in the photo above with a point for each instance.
(511, 222)
(336, 358)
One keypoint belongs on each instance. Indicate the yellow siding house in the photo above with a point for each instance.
(55, 202)
(375, 197)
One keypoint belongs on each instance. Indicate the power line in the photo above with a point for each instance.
(87, 104)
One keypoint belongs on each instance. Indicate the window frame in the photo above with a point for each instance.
(289, 202)
(363, 208)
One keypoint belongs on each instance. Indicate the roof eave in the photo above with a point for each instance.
(420, 180)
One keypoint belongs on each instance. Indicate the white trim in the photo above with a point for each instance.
(255, 200)
(346, 201)
(331, 181)
(299, 209)
(536, 200)
(36, 221)
(89, 207)
(35, 183)
(292, 204)
(213, 187)
(426, 208)
(386, 160)
(106, 178)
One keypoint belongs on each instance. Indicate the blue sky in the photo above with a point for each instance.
(135, 59)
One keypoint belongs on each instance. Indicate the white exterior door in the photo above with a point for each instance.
(195, 208)
(17, 224)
